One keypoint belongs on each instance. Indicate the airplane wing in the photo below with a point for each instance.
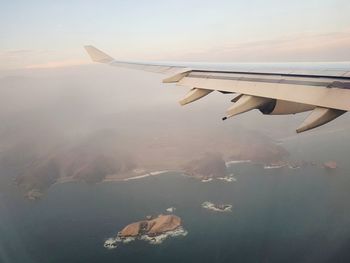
(274, 90)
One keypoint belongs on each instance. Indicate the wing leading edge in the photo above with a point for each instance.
(326, 93)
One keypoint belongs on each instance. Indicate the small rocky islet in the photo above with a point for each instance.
(217, 207)
(152, 230)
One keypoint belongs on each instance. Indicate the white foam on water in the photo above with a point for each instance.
(146, 175)
(171, 209)
(112, 243)
(228, 179)
(159, 239)
(273, 166)
(237, 162)
(207, 180)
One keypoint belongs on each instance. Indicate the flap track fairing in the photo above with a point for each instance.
(246, 103)
(318, 117)
(194, 94)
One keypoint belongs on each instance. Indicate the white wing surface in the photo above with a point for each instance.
(274, 89)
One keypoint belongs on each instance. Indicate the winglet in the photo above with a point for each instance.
(97, 55)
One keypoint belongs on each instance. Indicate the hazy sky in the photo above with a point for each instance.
(52, 33)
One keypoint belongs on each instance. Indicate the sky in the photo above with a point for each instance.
(49, 34)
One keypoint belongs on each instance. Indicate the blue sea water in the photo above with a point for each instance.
(279, 215)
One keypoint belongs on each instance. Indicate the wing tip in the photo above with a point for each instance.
(97, 55)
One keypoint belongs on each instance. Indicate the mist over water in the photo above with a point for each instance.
(279, 215)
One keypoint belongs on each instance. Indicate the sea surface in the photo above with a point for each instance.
(278, 215)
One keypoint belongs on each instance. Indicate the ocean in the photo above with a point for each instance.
(278, 215)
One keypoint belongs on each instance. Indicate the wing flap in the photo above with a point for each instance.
(313, 91)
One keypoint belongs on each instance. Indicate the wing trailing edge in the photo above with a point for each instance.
(279, 92)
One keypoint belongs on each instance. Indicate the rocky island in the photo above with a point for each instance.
(217, 207)
(153, 230)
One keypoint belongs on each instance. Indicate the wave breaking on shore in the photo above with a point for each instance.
(146, 175)
(112, 243)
